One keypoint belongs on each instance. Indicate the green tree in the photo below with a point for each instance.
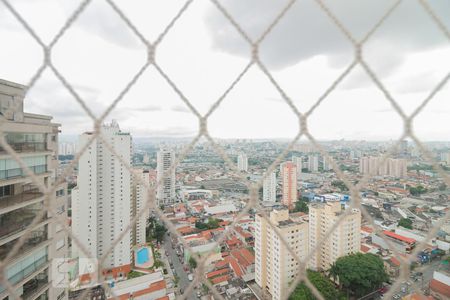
(302, 206)
(340, 185)
(213, 223)
(159, 232)
(322, 284)
(200, 225)
(360, 273)
(418, 190)
(192, 263)
(405, 222)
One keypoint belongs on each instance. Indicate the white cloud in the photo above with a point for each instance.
(203, 54)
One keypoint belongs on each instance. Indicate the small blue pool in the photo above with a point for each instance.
(142, 256)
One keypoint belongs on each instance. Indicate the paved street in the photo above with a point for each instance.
(182, 275)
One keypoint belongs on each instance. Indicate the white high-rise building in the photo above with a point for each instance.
(140, 197)
(146, 159)
(101, 202)
(395, 167)
(313, 163)
(165, 177)
(326, 164)
(288, 174)
(67, 148)
(344, 240)
(34, 138)
(445, 157)
(275, 267)
(270, 187)
(242, 162)
(298, 161)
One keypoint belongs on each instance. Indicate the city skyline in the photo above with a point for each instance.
(155, 110)
(266, 150)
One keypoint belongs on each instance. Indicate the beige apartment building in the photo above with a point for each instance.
(395, 167)
(344, 240)
(288, 171)
(35, 140)
(275, 267)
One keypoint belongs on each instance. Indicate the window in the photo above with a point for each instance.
(6, 190)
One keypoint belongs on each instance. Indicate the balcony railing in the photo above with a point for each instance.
(36, 239)
(15, 173)
(34, 286)
(20, 198)
(22, 274)
(26, 147)
(17, 221)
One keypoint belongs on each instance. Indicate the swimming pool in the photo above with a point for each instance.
(142, 256)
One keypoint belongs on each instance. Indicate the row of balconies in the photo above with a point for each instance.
(22, 198)
(18, 220)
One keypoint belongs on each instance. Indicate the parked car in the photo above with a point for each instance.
(190, 277)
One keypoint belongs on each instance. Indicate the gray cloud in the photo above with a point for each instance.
(100, 19)
(180, 108)
(306, 31)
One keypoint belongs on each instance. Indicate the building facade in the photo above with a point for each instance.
(289, 179)
(34, 138)
(313, 163)
(394, 167)
(298, 161)
(139, 202)
(101, 203)
(242, 162)
(275, 267)
(270, 188)
(344, 240)
(165, 177)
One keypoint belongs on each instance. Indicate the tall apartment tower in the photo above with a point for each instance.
(34, 138)
(395, 167)
(298, 161)
(166, 182)
(275, 267)
(270, 188)
(101, 203)
(344, 240)
(289, 179)
(326, 164)
(313, 163)
(242, 162)
(140, 197)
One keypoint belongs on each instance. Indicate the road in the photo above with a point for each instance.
(427, 270)
(182, 275)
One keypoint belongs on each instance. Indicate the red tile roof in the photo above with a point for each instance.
(366, 229)
(439, 287)
(217, 272)
(221, 279)
(233, 241)
(395, 261)
(399, 237)
(232, 262)
(364, 248)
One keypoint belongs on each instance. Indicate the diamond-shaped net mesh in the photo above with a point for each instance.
(254, 63)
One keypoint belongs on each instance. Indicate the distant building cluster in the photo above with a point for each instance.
(67, 148)
(394, 167)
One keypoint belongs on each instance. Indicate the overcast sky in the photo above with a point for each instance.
(203, 54)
